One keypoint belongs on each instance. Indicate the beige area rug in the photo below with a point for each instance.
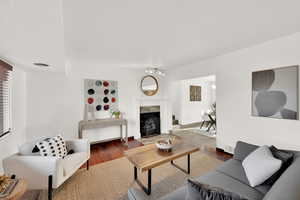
(111, 180)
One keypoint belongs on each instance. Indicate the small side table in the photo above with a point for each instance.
(18, 191)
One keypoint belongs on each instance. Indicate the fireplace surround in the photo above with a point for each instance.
(149, 121)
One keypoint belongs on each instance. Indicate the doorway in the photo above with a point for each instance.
(194, 105)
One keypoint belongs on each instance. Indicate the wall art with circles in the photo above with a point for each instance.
(101, 95)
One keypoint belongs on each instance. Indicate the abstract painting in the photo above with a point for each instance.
(101, 95)
(195, 93)
(275, 93)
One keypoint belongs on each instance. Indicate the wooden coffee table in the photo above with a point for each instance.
(147, 157)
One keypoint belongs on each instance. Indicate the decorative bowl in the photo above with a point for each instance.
(164, 144)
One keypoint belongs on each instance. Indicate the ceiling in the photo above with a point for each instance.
(32, 31)
(138, 33)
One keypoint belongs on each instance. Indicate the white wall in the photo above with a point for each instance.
(187, 111)
(55, 101)
(9, 143)
(233, 79)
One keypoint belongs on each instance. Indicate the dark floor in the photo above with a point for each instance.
(107, 151)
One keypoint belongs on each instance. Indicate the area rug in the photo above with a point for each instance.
(111, 180)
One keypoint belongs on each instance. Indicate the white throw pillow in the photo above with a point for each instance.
(260, 165)
(55, 146)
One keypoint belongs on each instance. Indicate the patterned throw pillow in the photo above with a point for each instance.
(55, 147)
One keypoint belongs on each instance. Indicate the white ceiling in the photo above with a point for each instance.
(32, 31)
(139, 33)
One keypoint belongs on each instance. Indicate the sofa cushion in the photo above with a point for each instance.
(286, 158)
(234, 169)
(263, 188)
(228, 183)
(260, 165)
(199, 191)
(287, 186)
(243, 149)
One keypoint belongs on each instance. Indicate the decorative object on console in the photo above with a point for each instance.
(195, 93)
(149, 85)
(275, 93)
(116, 114)
(100, 95)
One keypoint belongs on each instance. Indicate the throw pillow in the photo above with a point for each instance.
(200, 191)
(71, 152)
(55, 146)
(260, 165)
(35, 149)
(286, 157)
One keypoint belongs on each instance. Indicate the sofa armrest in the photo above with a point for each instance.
(242, 150)
(35, 169)
(79, 145)
(287, 186)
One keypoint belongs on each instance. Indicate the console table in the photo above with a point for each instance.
(100, 123)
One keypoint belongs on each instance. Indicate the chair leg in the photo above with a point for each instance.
(50, 187)
(87, 164)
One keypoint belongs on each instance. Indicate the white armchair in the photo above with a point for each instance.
(47, 172)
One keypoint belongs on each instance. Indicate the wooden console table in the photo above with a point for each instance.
(101, 123)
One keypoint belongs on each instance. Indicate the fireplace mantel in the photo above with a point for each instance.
(164, 111)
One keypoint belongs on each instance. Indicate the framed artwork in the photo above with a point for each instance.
(100, 95)
(275, 93)
(195, 93)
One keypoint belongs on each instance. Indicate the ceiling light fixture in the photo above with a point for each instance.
(154, 71)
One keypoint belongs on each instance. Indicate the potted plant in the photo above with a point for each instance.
(116, 114)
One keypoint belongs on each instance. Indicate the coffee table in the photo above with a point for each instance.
(147, 157)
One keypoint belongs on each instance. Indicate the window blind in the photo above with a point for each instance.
(5, 113)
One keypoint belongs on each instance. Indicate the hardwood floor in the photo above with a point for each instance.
(107, 151)
(103, 152)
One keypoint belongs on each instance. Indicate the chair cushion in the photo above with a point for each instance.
(73, 161)
(26, 148)
(260, 165)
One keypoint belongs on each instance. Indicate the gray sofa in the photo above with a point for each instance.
(231, 177)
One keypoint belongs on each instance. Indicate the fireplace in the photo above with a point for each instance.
(149, 121)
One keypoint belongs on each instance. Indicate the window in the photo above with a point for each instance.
(5, 111)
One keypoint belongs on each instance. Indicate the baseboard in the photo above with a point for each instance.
(130, 138)
(222, 151)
